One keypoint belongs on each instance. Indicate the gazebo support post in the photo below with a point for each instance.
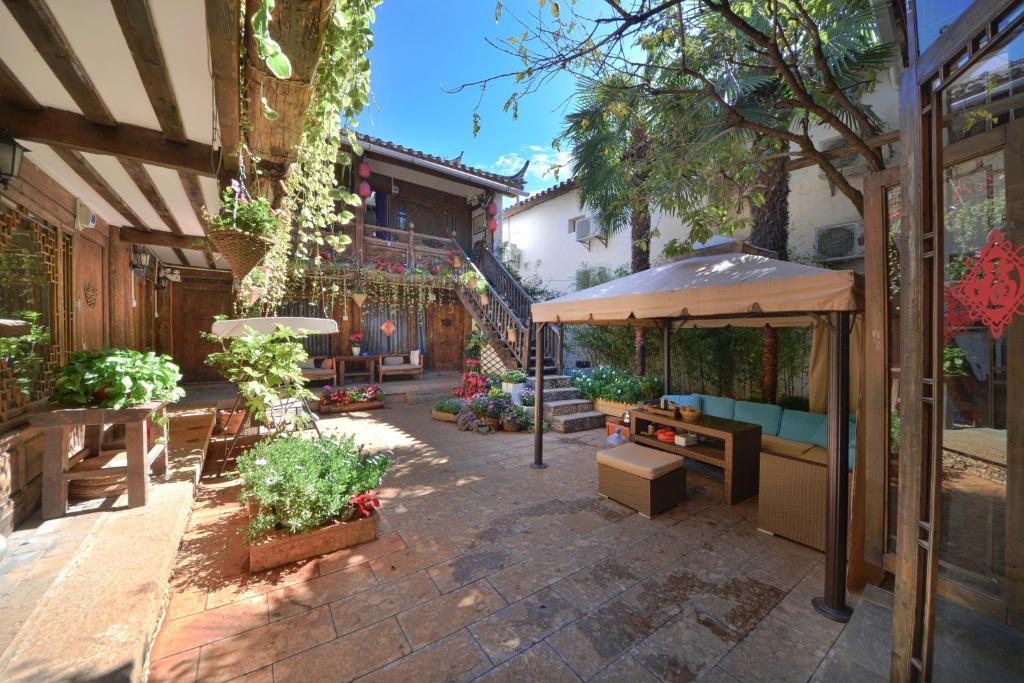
(538, 403)
(833, 604)
(666, 356)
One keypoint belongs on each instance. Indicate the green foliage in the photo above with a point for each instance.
(475, 343)
(117, 378)
(23, 353)
(301, 484)
(794, 403)
(517, 415)
(591, 276)
(265, 368)
(451, 406)
(267, 48)
(513, 377)
(954, 361)
(240, 212)
(617, 385)
(488, 406)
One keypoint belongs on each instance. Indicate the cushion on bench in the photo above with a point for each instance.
(641, 461)
(716, 406)
(400, 367)
(689, 400)
(787, 447)
(765, 414)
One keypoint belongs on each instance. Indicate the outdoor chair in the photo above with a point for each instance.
(409, 363)
(319, 369)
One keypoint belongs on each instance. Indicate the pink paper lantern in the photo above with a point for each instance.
(365, 190)
(492, 209)
(364, 170)
(492, 225)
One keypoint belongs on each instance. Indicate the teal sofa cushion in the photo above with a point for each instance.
(797, 425)
(765, 414)
(821, 437)
(689, 400)
(716, 406)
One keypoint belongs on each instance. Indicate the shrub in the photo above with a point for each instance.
(451, 406)
(615, 385)
(514, 413)
(301, 484)
(513, 377)
(497, 394)
(117, 378)
(794, 403)
(528, 397)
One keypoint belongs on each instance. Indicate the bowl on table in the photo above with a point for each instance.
(689, 414)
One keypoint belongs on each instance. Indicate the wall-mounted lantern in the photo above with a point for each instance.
(11, 154)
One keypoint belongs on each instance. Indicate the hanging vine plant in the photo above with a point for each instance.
(340, 91)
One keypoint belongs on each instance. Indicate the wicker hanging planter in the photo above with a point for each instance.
(359, 299)
(241, 250)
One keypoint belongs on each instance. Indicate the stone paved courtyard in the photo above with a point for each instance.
(489, 570)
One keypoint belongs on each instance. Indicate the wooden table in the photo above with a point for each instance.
(59, 464)
(733, 446)
(369, 370)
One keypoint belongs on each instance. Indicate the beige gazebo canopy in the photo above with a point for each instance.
(739, 289)
(720, 286)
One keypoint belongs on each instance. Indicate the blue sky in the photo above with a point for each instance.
(422, 46)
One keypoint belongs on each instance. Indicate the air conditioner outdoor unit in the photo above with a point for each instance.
(839, 242)
(85, 218)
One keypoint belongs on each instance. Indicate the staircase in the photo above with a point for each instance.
(506, 320)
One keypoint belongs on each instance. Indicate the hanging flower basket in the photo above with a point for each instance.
(359, 299)
(241, 250)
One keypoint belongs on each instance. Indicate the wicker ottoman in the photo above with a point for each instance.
(644, 479)
(792, 496)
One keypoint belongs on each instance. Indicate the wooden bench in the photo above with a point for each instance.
(644, 479)
(406, 367)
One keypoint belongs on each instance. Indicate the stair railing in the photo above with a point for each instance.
(506, 329)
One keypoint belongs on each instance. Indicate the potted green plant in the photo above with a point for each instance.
(307, 497)
(346, 400)
(514, 418)
(117, 378)
(241, 231)
(267, 370)
(469, 279)
(447, 409)
(488, 409)
(481, 290)
(512, 382)
(358, 296)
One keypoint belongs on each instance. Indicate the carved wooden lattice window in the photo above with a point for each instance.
(35, 264)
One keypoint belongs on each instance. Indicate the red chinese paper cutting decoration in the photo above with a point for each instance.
(956, 319)
(388, 328)
(992, 291)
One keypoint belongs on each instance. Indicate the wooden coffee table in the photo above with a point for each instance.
(734, 446)
(345, 366)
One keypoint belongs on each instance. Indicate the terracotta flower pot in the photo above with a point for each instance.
(483, 299)
(442, 417)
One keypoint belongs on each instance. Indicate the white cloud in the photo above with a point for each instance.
(542, 160)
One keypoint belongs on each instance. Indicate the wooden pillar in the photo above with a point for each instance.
(560, 354)
(666, 356)
(538, 405)
(116, 291)
(833, 604)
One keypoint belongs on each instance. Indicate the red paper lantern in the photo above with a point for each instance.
(364, 170)
(492, 225)
(388, 328)
(492, 209)
(365, 190)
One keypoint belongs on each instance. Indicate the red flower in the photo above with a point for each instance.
(365, 502)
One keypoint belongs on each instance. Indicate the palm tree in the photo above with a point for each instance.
(610, 142)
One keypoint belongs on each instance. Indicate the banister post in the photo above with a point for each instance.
(412, 245)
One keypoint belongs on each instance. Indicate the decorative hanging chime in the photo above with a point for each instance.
(388, 328)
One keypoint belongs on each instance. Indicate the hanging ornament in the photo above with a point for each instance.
(992, 291)
(388, 328)
(365, 190)
(364, 170)
(492, 225)
(492, 209)
(359, 298)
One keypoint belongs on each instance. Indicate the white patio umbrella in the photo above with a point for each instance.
(241, 326)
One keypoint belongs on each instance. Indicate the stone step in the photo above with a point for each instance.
(549, 370)
(570, 406)
(561, 394)
(577, 422)
(553, 381)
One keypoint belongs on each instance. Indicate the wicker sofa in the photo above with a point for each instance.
(792, 487)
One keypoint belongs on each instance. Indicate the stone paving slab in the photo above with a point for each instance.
(489, 570)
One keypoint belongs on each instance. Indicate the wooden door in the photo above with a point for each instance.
(89, 294)
(446, 331)
(195, 304)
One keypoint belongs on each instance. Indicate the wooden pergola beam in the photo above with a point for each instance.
(148, 189)
(81, 166)
(223, 35)
(43, 30)
(55, 127)
(140, 33)
(161, 238)
(14, 91)
(195, 197)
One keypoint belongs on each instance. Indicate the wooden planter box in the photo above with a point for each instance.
(281, 548)
(443, 417)
(612, 408)
(611, 427)
(349, 407)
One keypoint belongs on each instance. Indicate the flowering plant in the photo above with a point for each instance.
(365, 503)
(355, 337)
(239, 211)
(527, 396)
(344, 396)
(473, 384)
(484, 406)
(300, 484)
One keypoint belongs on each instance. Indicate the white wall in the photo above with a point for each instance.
(550, 251)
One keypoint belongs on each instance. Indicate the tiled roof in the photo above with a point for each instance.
(515, 180)
(541, 197)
